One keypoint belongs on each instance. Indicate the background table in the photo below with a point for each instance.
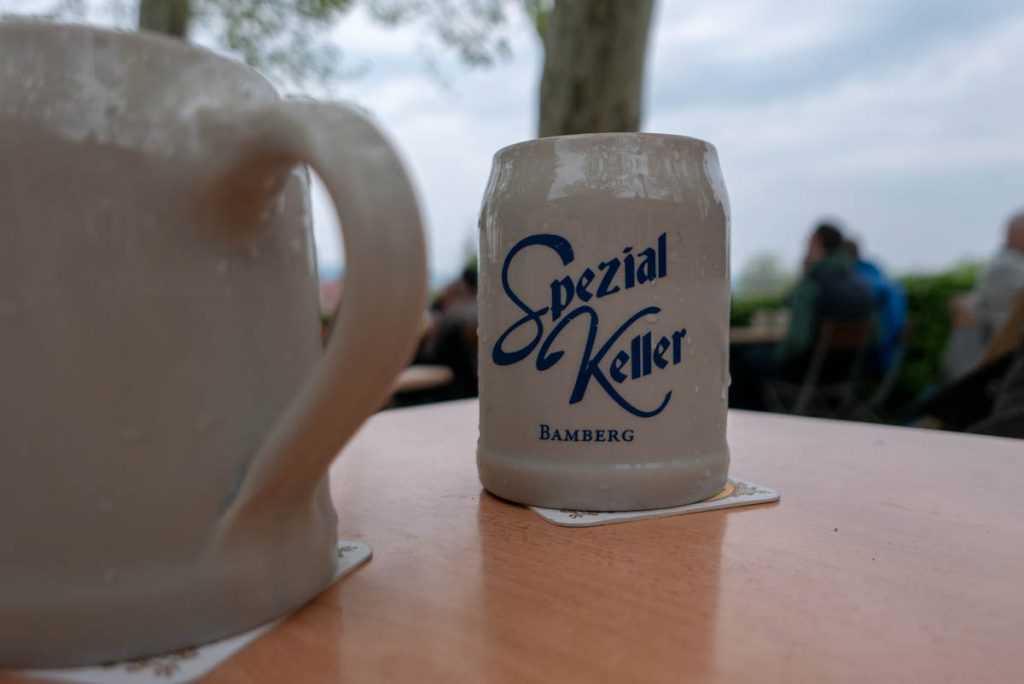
(420, 377)
(755, 335)
(894, 555)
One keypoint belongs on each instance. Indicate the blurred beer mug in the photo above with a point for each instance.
(168, 411)
(604, 322)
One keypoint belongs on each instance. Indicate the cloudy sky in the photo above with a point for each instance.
(902, 118)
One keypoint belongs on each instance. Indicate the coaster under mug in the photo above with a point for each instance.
(735, 493)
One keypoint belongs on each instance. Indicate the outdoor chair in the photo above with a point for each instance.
(841, 348)
(879, 390)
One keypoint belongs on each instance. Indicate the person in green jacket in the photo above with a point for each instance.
(830, 288)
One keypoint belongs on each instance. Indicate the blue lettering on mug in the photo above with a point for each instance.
(646, 355)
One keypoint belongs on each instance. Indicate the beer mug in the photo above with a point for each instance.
(168, 410)
(604, 322)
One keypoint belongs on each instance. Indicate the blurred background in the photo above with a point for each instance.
(896, 121)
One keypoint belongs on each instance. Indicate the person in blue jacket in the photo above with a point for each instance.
(890, 309)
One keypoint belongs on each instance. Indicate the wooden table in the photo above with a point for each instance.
(894, 555)
(749, 334)
(420, 377)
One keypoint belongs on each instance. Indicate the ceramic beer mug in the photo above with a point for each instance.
(168, 412)
(604, 322)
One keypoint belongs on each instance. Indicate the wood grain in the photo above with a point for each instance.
(894, 555)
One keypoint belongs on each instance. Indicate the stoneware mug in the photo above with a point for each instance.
(168, 412)
(604, 322)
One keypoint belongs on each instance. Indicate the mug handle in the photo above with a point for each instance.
(385, 273)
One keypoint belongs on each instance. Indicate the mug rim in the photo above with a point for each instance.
(639, 135)
(141, 37)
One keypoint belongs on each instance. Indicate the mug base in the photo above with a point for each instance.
(604, 487)
(262, 573)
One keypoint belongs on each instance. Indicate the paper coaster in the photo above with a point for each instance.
(188, 664)
(735, 493)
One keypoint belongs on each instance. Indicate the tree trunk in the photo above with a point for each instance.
(594, 66)
(165, 16)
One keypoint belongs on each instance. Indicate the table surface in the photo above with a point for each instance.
(894, 555)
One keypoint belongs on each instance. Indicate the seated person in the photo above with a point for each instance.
(890, 309)
(1006, 418)
(450, 339)
(977, 316)
(829, 289)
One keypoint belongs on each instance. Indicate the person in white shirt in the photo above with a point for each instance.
(978, 315)
(1003, 279)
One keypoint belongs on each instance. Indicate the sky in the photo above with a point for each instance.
(900, 118)
(904, 120)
